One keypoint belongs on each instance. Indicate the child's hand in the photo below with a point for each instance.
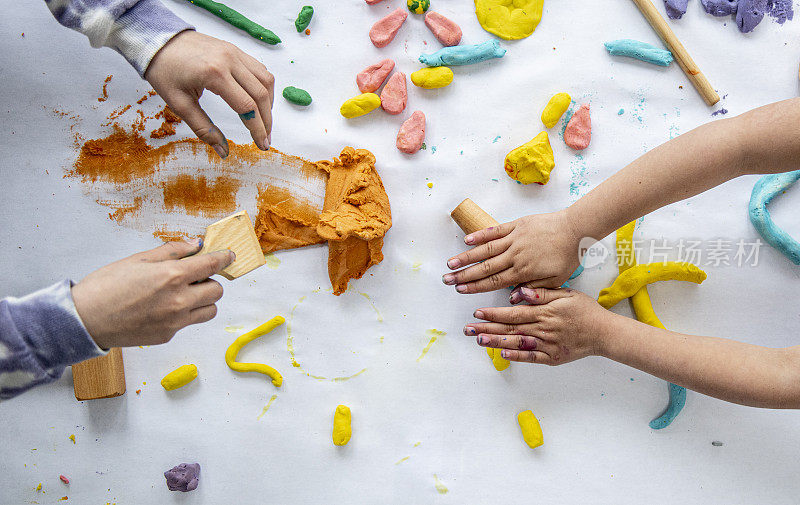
(145, 298)
(560, 325)
(540, 250)
(192, 62)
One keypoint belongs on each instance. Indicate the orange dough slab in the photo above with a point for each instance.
(384, 30)
(412, 133)
(371, 78)
(578, 133)
(395, 94)
(448, 33)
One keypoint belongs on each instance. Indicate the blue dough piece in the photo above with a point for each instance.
(576, 273)
(676, 8)
(767, 188)
(677, 399)
(640, 51)
(720, 8)
(463, 55)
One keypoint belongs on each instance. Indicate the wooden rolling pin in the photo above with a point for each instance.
(471, 218)
(680, 53)
(104, 377)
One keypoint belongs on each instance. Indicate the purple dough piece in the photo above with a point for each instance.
(749, 14)
(183, 477)
(676, 8)
(720, 8)
(781, 10)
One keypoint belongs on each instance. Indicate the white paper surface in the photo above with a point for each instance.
(594, 413)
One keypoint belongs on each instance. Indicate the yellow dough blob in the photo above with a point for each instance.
(236, 346)
(432, 77)
(636, 277)
(531, 162)
(509, 19)
(499, 362)
(179, 377)
(341, 425)
(360, 105)
(531, 431)
(555, 108)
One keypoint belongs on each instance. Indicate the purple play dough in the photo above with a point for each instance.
(676, 8)
(183, 477)
(781, 10)
(720, 8)
(749, 14)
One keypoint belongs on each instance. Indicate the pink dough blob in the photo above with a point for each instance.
(371, 78)
(385, 29)
(578, 133)
(395, 94)
(412, 133)
(448, 33)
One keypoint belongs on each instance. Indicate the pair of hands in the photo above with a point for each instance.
(537, 254)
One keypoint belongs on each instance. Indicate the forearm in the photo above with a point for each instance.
(725, 369)
(764, 140)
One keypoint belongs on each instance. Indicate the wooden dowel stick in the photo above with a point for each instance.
(471, 218)
(682, 56)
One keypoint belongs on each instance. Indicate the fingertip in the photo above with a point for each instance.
(453, 263)
(469, 239)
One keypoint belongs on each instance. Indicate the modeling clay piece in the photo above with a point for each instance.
(446, 31)
(509, 20)
(767, 188)
(179, 377)
(373, 2)
(499, 362)
(463, 55)
(412, 133)
(297, 96)
(578, 133)
(640, 51)
(531, 430)
(342, 430)
(749, 14)
(643, 309)
(183, 477)
(634, 278)
(531, 162)
(360, 105)
(555, 108)
(371, 78)
(720, 8)
(231, 16)
(236, 346)
(385, 29)
(418, 6)
(676, 8)
(304, 18)
(395, 94)
(432, 77)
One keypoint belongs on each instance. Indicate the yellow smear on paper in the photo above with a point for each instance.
(266, 407)
(72, 437)
(272, 261)
(234, 329)
(435, 334)
(401, 460)
(439, 485)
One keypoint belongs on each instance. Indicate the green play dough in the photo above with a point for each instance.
(304, 18)
(418, 6)
(233, 17)
(297, 96)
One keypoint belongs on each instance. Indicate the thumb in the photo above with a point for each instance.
(174, 250)
(190, 111)
(542, 296)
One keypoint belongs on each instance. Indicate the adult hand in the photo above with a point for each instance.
(192, 62)
(146, 298)
(539, 250)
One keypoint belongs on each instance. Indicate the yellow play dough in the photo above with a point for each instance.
(432, 77)
(341, 425)
(509, 19)
(531, 162)
(531, 431)
(555, 108)
(360, 105)
(236, 346)
(179, 377)
(642, 306)
(636, 277)
(499, 362)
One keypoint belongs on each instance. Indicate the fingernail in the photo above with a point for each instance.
(530, 293)
(515, 298)
(482, 339)
(504, 354)
(469, 330)
(269, 140)
(198, 242)
(233, 256)
(449, 279)
(478, 314)
(461, 288)
(453, 264)
(265, 144)
(221, 151)
(469, 239)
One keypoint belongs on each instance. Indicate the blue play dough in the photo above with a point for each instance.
(767, 188)
(576, 273)
(677, 399)
(463, 55)
(640, 51)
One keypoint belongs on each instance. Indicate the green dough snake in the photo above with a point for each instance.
(233, 17)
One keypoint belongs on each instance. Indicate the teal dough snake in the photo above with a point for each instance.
(767, 188)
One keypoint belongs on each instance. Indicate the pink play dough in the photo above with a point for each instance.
(373, 2)
(371, 78)
(384, 30)
(412, 133)
(448, 33)
(579, 129)
(395, 94)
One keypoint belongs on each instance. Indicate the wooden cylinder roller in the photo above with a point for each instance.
(102, 377)
(471, 218)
